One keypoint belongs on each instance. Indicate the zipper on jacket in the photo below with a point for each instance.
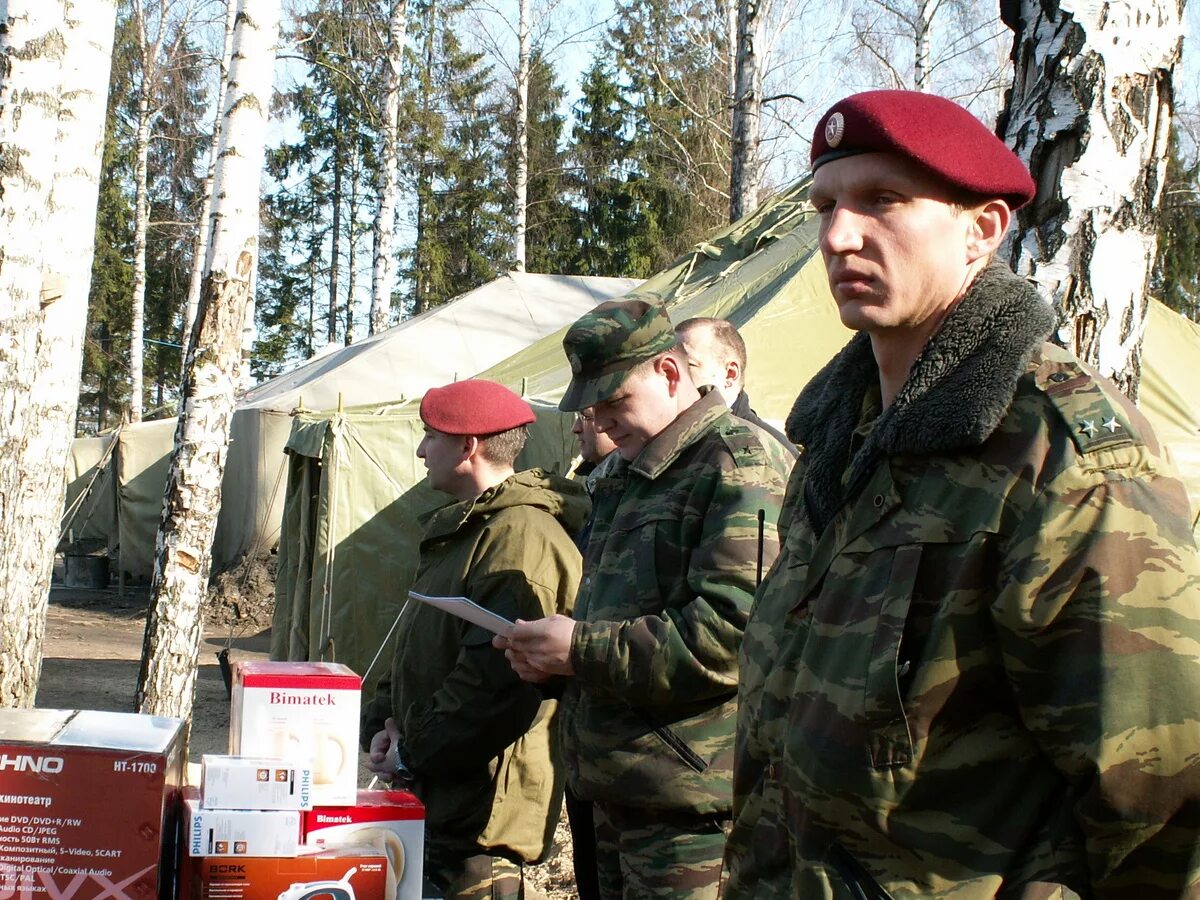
(686, 753)
(861, 883)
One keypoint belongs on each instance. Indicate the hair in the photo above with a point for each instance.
(503, 447)
(723, 334)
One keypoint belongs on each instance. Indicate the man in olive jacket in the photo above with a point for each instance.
(972, 671)
(474, 741)
(681, 522)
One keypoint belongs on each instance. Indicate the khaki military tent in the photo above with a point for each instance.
(356, 489)
(455, 340)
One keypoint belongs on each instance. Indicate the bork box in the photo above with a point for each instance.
(301, 711)
(88, 804)
(240, 832)
(392, 821)
(349, 873)
(254, 782)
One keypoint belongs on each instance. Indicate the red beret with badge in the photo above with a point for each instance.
(933, 132)
(475, 407)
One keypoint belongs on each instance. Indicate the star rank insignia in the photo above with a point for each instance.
(1088, 427)
(1112, 424)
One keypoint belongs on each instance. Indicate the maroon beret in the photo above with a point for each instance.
(933, 132)
(475, 407)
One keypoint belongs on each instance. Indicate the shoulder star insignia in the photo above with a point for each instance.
(1112, 424)
(1088, 427)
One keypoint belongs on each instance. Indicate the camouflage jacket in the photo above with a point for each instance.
(477, 737)
(972, 671)
(671, 566)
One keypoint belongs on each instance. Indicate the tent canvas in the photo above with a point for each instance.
(355, 489)
(454, 340)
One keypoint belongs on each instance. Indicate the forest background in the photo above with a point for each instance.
(629, 109)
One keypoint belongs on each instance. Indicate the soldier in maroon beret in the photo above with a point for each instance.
(945, 684)
(452, 721)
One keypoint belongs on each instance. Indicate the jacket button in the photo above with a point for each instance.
(879, 501)
(1059, 377)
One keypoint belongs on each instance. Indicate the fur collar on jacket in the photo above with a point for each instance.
(959, 389)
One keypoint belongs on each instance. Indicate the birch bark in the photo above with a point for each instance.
(1090, 113)
(383, 271)
(744, 164)
(183, 552)
(148, 49)
(56, 58)
(200, 248)
(522, 174)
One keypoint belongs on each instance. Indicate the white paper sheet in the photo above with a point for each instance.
(468, 610)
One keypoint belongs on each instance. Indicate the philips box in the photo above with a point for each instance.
(391, 821)
(253, 782)
(304, 711)
(348, 873)
(240, 832)
(88, 804)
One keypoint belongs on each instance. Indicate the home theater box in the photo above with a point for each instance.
(88, 804)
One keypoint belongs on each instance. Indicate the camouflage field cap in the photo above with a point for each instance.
(605, 343)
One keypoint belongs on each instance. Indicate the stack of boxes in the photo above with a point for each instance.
(282, 815)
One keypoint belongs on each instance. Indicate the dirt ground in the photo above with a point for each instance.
(91, 655)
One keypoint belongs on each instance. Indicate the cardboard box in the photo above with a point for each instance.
(240, 832)
(355, 873)
(301, 711)
(88, 804)
(253, 782)
(392, 821)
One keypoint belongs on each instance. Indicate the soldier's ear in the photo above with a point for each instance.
(671, 369)
(470, 447)
(986, 225)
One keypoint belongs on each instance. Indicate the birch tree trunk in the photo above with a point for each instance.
(1090, 113)
(200, 248)
(522, 174)
(744, 164)
(183, 552)
(924, 23)
(56, 58)
(335, 230)
(148, 50)
(383, 271)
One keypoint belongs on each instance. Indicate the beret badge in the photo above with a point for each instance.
(835, 127)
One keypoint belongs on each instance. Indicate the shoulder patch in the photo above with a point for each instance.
(743, 444)
(1094, 420)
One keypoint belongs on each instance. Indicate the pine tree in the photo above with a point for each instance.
(607, 224)
(333, 156)
(1176, 276)
(462, 237)
(104, 387)
(673, 56)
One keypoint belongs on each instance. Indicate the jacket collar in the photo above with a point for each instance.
(960, 387)
(658, 455)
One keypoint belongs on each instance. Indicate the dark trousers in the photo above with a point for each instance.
(583, 846)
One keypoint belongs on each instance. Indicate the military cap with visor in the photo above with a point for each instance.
(474, 407)
(605, 344)
(937, 134)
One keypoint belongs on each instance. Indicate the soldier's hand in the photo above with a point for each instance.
(540, 649)
(379, 759)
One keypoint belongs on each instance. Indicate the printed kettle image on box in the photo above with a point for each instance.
(301, 711)
(61, 834)
(391, 821)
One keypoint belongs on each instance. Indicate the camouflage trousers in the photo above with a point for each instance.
(478, 878)
(641, 855)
